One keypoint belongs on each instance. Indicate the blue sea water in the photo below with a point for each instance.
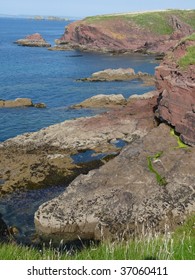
(50, 76)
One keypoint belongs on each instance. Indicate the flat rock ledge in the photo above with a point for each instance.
(120, 74)
(34, 40)
(102, 101)
(124, 197)
(44, 157)
(20, 102)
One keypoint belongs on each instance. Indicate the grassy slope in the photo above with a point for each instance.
(157, 22)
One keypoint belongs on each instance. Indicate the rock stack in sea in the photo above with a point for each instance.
(34, 40)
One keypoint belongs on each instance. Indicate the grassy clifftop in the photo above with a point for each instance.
(157, 21)
(146, 32)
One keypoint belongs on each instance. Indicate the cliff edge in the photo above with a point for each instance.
(149, 32)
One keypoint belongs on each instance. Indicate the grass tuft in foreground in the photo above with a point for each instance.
(179, 245)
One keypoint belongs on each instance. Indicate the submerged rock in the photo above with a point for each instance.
(4, 230)
(34, 40)
(124, 197)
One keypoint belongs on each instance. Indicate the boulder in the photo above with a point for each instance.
(101, 101)
(18, 102)
(34, 40)
(125, 196)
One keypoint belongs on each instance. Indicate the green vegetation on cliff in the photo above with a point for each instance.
(158, 22)
(189, 58)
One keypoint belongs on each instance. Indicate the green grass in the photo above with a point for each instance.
(188, 58)
(179, 245)
(181, 145)
(156, 22)
(160, 180)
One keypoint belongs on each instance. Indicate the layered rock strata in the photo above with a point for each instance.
(124, 198)
(176, 86)
(34, 40)
(147, 32)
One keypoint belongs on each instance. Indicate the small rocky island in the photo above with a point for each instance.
(34, 40)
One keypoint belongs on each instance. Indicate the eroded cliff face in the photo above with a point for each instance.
(176, 86)
(126, 33)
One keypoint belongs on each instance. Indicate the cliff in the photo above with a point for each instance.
(176, 85)
(153, 32)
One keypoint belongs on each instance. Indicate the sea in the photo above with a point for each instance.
(50, 77)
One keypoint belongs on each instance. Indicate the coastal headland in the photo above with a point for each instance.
(150, 183)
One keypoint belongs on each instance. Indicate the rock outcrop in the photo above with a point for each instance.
(44, 157)
(153, 32)
(176, 86)
(34, 40)
(102, 101)
(20, 102)
(125, 197)
(120, 74)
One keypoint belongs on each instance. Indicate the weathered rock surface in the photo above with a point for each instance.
(120, 74)
(123, 197)
(146, 33)
(43, 158)
(34, 40)
(20, 102)
(102, 100)
(176, 86)
(147, 95)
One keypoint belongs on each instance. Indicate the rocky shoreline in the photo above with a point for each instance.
(148, 185)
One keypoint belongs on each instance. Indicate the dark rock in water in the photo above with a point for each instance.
(34, 40)
(40, 105)
(4, 231)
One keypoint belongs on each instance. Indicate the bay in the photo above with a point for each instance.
(50, 76)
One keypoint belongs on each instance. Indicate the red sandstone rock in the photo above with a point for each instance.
(118, 34)
(177, 93)
(34, 40)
